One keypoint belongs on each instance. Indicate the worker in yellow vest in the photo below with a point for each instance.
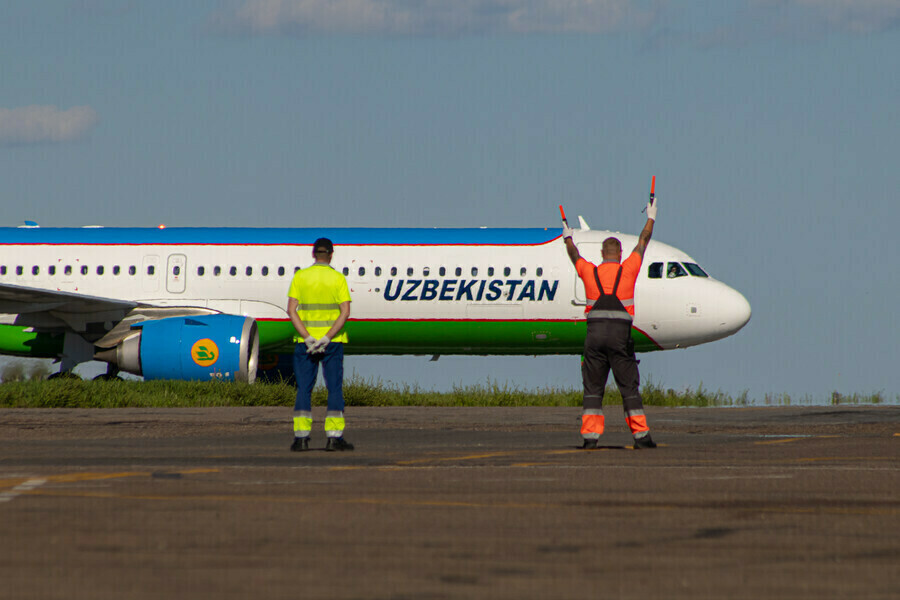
(319, 305)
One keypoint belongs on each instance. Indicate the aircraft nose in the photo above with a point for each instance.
(734, 311)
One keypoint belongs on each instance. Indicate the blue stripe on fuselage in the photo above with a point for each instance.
(357, 236)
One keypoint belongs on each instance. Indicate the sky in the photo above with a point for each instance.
(771, 126)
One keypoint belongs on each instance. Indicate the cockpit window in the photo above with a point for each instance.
(655, 271)
(695, 270)
(674, 269)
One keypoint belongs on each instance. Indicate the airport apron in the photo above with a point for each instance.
(608, 346)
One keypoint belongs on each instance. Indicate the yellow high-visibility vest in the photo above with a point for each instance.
(319, 291)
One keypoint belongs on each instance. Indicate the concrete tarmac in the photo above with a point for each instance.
(440, 503)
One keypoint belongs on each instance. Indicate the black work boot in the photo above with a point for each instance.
(337, 443)
(644, 442)
(300, 444)
(589, 444)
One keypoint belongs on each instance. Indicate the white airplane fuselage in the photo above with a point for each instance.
(414, 291)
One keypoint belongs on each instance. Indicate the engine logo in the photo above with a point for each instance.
(205, 352)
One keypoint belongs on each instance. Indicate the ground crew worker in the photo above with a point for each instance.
(609, 288)
(319, 305)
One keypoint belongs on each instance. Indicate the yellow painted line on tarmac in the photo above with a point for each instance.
(787, 440)
(77, 477)
(456, 458)
(294, 499)
(841, 458)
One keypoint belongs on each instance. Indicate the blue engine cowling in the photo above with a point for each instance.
(204, 347)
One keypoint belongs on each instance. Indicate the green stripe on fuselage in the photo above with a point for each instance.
(22, 341)
(452, 337)
(386, 337)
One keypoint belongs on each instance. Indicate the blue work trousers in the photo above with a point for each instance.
(306, 370)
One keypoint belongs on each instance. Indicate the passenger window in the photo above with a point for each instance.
(201, 271)
(409, 272)
(458, 271)
(298, 268)
(233, 271)
(131, 270)
(377, 271)
(281, 271)
(393, 271)
(540, 271)
(248, 271)
(217, 270)
(674, 269)
(84, 269)
(151, 270)
(474, 271)
(695, 270)
(506, 271)
(490, 271)
(100, 270)
(19, 270)
(654, 271)
(116, 269)
(176, 270)
(265, 271)
(442, 271)
(51, 270)
(426, 271)
(362, 271)
(345, 271)
(68, 269)
(35, 270)
(3, 270)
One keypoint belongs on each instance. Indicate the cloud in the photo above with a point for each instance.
(37, 124)
(857, 16)
(431, 17)
(854, 16)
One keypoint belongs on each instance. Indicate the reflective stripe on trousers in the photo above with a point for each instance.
(637, 422)
(334, 424)
(302, 423)
(592, 422)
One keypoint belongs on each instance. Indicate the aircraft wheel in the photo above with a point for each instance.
(64, 375)
(107, 377)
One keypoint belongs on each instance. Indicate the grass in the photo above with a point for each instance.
(358, 391)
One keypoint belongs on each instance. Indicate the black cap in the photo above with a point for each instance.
(323, 244)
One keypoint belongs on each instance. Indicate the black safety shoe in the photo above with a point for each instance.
(337, 444)
(589, 445)
(644, 442)
(300, 444)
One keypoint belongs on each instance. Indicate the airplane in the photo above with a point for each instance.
(202, 303)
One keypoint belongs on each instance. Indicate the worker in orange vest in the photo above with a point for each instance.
(609, 288)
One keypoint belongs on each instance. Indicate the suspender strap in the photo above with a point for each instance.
(615, 286)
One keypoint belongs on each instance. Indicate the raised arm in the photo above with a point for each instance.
(647, 232)
(571, 249)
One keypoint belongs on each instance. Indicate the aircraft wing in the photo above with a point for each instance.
(31, 302)
(103, 321)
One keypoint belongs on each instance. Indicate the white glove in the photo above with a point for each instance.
(567, 231)
(320, 345)
(310, 342)
(651, 209)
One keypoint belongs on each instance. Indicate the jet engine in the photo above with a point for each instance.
(197, 347)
